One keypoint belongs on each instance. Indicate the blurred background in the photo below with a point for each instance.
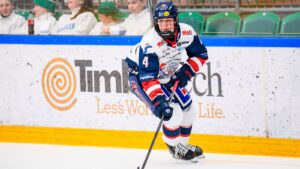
(237, 17)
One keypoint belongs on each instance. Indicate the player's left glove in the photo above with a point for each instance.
(183, 75)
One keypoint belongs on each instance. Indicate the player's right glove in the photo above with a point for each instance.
(162, 107)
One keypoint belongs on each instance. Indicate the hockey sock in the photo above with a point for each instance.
(171, 135)
(185, 133)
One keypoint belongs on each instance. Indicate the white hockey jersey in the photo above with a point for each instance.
(154, 60)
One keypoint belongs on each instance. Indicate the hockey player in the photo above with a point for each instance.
(155, 65)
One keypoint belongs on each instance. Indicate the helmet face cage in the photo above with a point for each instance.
(165, 10)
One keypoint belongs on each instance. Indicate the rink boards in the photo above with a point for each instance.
(74, 90)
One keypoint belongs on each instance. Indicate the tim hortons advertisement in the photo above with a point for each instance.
(240, 91)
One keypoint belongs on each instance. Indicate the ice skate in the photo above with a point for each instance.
(181, 152)
(197, 150)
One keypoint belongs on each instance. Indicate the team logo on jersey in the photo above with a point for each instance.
(187, 32)
(168, 68)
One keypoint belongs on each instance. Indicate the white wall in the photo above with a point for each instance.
(258, 93)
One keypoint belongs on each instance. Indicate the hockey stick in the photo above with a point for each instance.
(159, 126)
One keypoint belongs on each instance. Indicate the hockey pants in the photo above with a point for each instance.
(179, 127)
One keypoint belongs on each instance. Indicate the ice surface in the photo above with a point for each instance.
(40, 156)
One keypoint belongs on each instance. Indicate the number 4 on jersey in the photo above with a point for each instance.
(146, 62)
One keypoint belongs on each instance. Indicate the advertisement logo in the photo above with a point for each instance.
(59, 84)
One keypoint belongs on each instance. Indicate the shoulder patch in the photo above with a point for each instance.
(160, 43)
(148, 49)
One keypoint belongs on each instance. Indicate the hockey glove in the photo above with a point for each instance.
(162, 108)
(183, 75)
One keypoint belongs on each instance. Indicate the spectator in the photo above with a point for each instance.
(111, 20)
(139, 21)
(79, 22)
(44, 20)
(10, 22)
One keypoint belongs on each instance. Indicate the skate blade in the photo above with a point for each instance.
(200, 157)
(194, 160)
